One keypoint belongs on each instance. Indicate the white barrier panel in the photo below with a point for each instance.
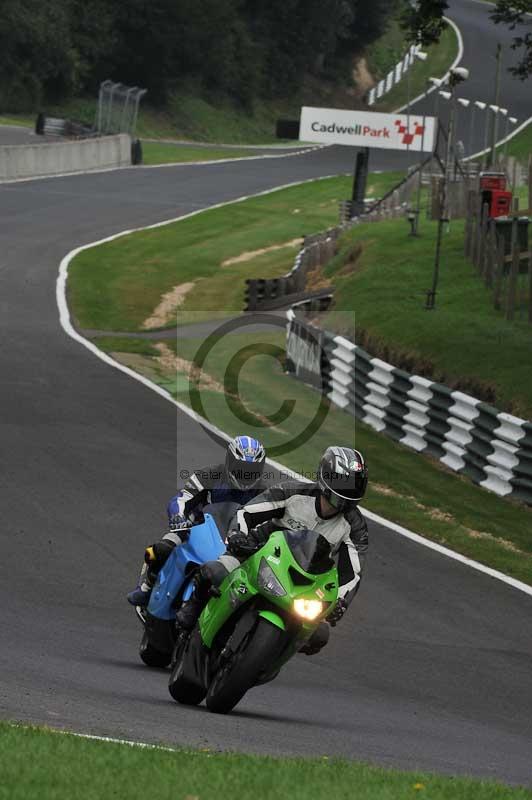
(38, 160)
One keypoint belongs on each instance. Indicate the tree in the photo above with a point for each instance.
(512, 13)
(423, 22)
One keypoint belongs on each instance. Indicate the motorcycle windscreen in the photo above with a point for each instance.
(311, 550)
(204, 544)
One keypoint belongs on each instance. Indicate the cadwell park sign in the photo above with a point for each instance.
(413, 132)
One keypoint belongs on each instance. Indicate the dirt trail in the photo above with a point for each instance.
(166, 308)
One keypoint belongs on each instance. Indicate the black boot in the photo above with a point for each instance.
(190, 611)
(206, 581)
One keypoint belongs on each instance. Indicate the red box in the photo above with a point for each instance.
(501, 204)
(494, 181)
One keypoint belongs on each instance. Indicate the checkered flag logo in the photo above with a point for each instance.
(407, 134)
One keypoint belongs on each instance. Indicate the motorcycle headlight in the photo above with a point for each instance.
(267, 580)
(308, 609)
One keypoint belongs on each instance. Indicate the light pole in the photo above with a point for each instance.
(415, 227)
(471, 130)
(436, 82)
(490, 155)
(495, 107)
(465, 104)
(482, 106)
(457, 75)
(504, 112)
(421, 56)
(513, 121)
(445, 95)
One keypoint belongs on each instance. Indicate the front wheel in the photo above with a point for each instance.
(233, 680)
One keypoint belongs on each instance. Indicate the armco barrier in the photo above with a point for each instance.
(263, 293)
(492, 448)
(37, 160)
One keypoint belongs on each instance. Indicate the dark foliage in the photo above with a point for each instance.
(512, 13)
(424, 22)
(243, 48)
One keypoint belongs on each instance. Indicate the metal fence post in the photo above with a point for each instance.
(530, 284)
(514, 269)
(499, 274)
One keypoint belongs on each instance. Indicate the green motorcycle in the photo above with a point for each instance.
(263, 613)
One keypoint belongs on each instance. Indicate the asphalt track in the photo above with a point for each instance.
(430, 669)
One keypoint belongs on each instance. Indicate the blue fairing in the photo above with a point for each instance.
(204, 544)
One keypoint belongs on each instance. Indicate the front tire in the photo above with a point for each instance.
(151, 656)
(233, 680)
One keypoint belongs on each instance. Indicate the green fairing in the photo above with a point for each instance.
(241, 586)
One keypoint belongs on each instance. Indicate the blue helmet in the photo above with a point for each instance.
(244, 462)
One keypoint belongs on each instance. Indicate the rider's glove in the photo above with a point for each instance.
(177, 521)
(156, 554)
(180, 526)
(244, 545)
(337, 613)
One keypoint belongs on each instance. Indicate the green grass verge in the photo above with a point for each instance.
(39, 763)
(162, 153)
(465, 342)
(116, 286)
(13, 119)
(521, 145)
(410, 489)
(440, 58)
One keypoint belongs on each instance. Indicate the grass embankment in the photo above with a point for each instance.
(388, 50)
(13, 119)
(521, 145)
(39, 763)
(464, 343)
(115, 286)
(440, 58)
(168, 153)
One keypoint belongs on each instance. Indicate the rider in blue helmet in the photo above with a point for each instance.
(238, 480)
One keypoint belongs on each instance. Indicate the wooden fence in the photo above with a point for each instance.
(502, 255)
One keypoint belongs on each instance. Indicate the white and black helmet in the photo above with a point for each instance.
(342, 477)
(244, 462)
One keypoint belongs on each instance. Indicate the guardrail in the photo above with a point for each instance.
(268, 293)
(490, 447)
(54, 126)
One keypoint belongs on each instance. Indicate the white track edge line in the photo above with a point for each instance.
(508, 138)
(95, 737)
(66, 323)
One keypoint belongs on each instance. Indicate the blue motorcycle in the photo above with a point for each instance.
(174, 584)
